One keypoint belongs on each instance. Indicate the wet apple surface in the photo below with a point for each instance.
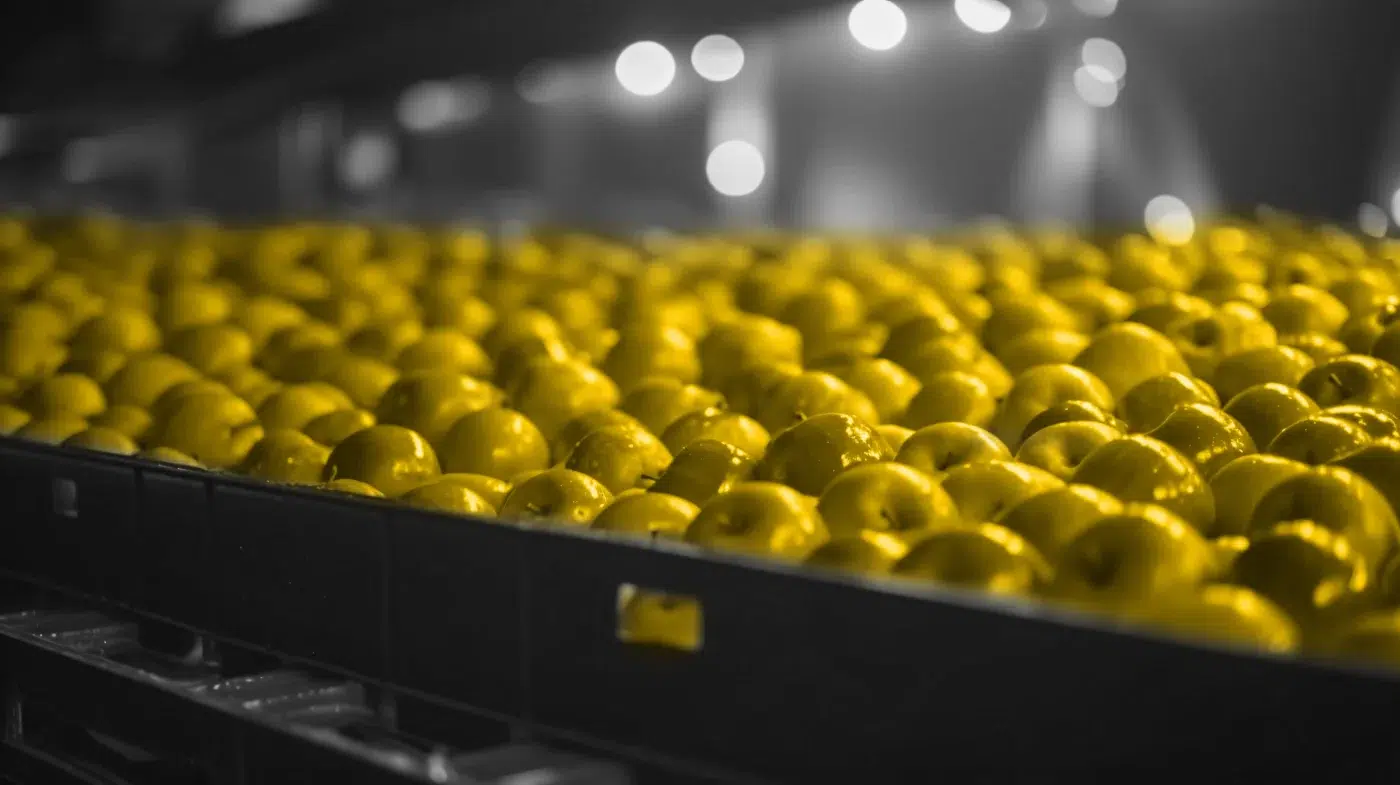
(1201, 436)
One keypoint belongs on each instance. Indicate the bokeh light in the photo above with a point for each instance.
(1169, 220)
(433, 106)
(542, 83)
(1096, 85)
(645, 68)
(368, 159)
(1395, 206)
(983, 16)
(877, 24)
(1036, 13)
(717, 58)
(1103, 53)
(735, 168)
(1372, 220)
(426, 106)
(81, 160)
(1099, 8)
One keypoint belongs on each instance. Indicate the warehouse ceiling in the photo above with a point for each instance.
(126, 54)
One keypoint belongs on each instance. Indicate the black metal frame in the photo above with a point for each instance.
(230, 719)
(802, 676)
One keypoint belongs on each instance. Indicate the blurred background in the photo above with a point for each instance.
(868, 116)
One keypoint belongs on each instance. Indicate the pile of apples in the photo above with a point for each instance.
(1200, 437)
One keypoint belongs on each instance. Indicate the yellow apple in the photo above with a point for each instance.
(1266, 409)
(1127, 558)
(102, 440)
(620, 458)
(1204, 341)
(703, 469)
(744, 341)
(1141, 469)
(1068, 412)
(1319, 439)
(645, 351)
(867, 553)
(574, 430)
(889, 497)
(214, 428)
(1159, 308)
(445, 349)
(647, 514)
(951, 396)
(988, 491)
(1378, 423)
(389, 458)
(1205, 434)
(894, 435)
(810, 454)
(556, 495)
(1151, 401)
(1241, 484)
(1337, 499)
(1045, 346)
(761, 519)
(1015, 315)
(1124, 355)
(1226, 614)
(983, 556)
(1059, 449)
(1354, 379)
(888, 386)
(496, 442)
(814, 393)
(938, 449)
(1300, 308)
(429, 402)
(729, 427)
(552, 392)
(1050, 520)
(1306, 569)
(659, 401)
(285, 455)
(1040, 388)
(448, 496)
(1269, 364)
